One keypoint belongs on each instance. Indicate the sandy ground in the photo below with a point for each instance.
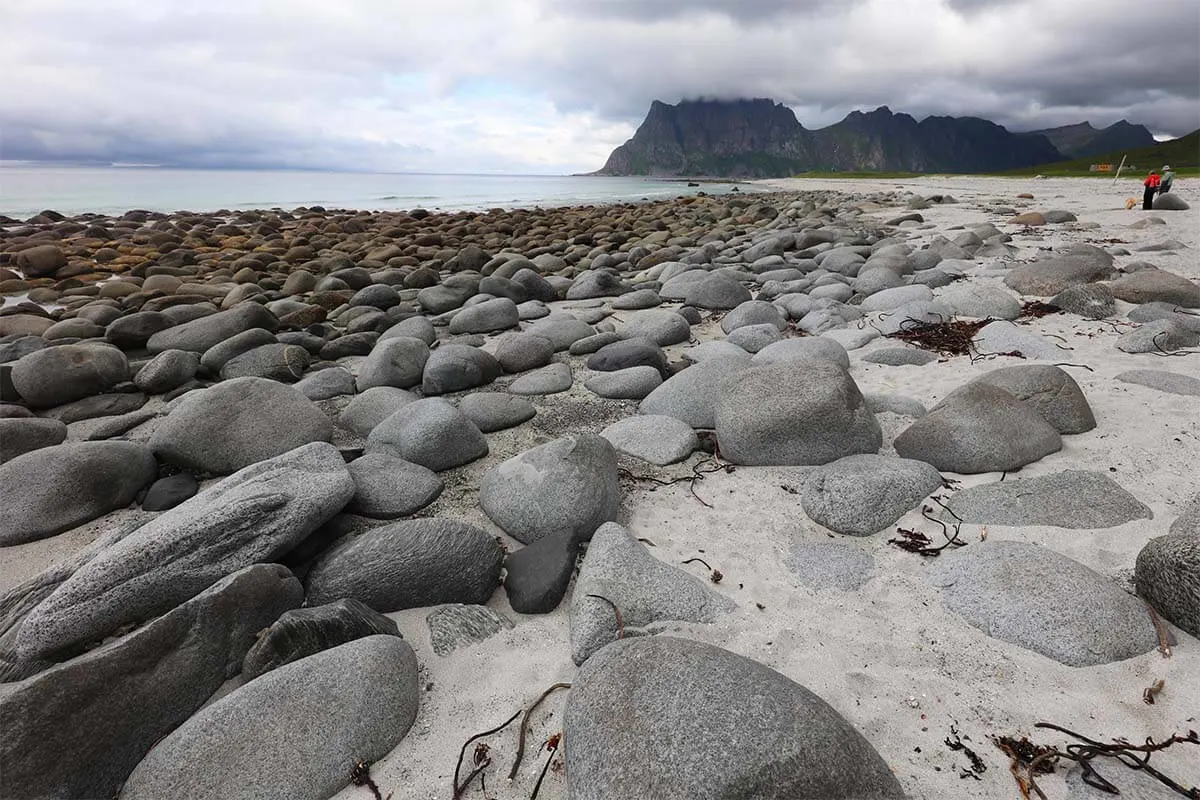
(889, 656)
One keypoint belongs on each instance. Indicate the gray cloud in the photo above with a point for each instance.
(554, 85)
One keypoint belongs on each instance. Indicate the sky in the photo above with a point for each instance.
(552, 86)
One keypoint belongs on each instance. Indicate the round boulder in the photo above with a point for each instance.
(566, 486)
(236, 423)
(794, 414)
(58, 375)
(864, 494)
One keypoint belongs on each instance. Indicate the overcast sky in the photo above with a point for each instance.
(551, 86)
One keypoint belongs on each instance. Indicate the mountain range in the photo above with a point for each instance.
(761, 138)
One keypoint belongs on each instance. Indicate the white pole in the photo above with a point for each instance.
(1118, 175)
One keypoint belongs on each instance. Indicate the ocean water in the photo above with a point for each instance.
(26, 190)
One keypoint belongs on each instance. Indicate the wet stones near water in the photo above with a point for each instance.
(66, 485)
(1068, 499)
(302, 632)
(864, 494)
(456, 625)
(567, 486)
(979, 428)
(619, 571)
(794, 414)
(135, 689)
(410, 564)
(1160, 380)
(255, 515)
(363, 696)
(237, 423)
(1035, 598)
(756, 735)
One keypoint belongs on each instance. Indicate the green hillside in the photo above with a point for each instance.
(1183, 154)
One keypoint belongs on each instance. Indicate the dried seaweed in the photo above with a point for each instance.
(1035, 309)
(948, 338)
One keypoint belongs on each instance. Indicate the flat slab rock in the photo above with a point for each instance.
(1075, 499)
(654, 438)
(756, 733)
(621, 570)
(1035, 598)
(1163, 381)
(457, 625)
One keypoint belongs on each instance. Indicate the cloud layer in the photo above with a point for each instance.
(553, 85)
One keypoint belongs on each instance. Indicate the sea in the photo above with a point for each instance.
(28, 189)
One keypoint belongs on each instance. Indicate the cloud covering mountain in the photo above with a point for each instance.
(554, 85)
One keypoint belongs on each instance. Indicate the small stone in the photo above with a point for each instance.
(457, 625)
(861, 495)
(632, 383)
(429, 432)
(550, 379)
(302, 632)
(166, 493)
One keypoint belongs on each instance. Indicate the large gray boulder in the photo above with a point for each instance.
(302, 632)
(236, 423)
(1049, 276)
(454, 367)
(1158, 336)
(410, 564)
(497, 314)
(648, 594)
(1167, 574)
(1071, 499)
(253, 516)
(692, 395)
(1043, 601)
(1157, 285)
(657, 439)
(1047, 389)
(54, 489)
(568, 486)
(135, 689)
(320, 715)
(754, 735)
(167, 370)
(979, 428)
(429, 432)
(806, 348)
(398, 362)
(205, 332)
(864, 494)
(662, 326)
(277, 362)
(58, 375)
(801, 413)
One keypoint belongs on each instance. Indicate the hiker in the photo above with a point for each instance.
(1151, 183)
(1168, 178)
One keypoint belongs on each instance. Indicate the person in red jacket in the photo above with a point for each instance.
(1151, 183)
